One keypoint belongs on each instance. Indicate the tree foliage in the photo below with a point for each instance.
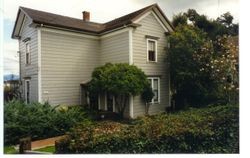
(221, 26)
(204, 60)
(189, 84)
(179, 19)
(147, 96)
(121, 80)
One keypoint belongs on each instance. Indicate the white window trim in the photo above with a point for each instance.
(159, 89)
(29, 62)
(25, 89)
(153, 40)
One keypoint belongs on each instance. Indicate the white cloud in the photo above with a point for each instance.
(10, 57)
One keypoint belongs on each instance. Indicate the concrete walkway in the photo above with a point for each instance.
(44, 143)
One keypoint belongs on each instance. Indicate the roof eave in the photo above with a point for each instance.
(40, 24)
(161, 12)
(12, 35)
(165, 17)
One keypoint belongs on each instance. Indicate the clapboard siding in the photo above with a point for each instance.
(150, 26)
(31, 70)
(66, 61)
(115, 49)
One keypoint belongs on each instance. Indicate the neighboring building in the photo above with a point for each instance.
(59, 53)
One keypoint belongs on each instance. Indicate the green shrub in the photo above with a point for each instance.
(214, 129)
(38, 120)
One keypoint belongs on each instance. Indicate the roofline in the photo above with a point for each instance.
(171, 25)
(86, 32)
(104, 31)
(12, 35)
(18, 13)
(60, 26)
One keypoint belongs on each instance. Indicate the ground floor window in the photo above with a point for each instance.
(110, 102)
(27, 91)
(155, 84)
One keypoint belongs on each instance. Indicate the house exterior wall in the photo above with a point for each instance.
(29, 71)
(67, 60)
(114, 49)
(150, 26)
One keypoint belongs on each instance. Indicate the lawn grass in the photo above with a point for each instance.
(49, 149)
(10, 150)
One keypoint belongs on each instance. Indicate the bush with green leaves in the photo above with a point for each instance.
(121, 80)
(214, 129)
(38, 120)
(147, 96)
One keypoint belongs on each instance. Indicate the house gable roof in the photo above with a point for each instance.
(50, 19)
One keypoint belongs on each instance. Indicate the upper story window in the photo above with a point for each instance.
(27, 91)
(151, 50)
(27, 53)
(155, 85)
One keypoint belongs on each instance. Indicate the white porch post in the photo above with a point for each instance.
(131, 106)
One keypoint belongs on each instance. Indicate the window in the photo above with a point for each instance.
(110, 102)
(27, 53)
(151, 50)
(27, 91)
(155, 84)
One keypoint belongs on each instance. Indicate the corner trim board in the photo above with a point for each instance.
(39, 65)
(130, 34)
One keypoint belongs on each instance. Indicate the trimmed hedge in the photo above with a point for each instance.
(206, 130)
(38, 120)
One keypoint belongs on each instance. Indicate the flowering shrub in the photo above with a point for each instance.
(220, 59)
(203, 71)
(213, 129)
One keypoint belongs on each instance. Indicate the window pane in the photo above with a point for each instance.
(27, 58)
(27, 48)
(151, 45)
(28, 91)
(155, 96)
(155, 84)
(151, 56)
(27, 51)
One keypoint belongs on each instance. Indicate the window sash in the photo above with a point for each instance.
(27, 53)
(151, 45)
(27, 91)
(151, 55)
(151, 50)
(155, 85)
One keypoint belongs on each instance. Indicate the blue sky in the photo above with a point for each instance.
(102, 11)
(10, 49)
(8, 27)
